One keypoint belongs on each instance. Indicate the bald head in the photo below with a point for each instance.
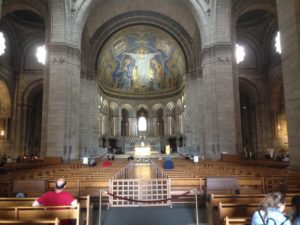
(60, 184)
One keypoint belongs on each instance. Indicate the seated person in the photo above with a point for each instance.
(106, 163)
(168, 163)
(58, 197)
(130, 157)
(92, 162)
(271, 211)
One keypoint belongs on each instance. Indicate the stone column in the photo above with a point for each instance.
(62, 97)
(219, 101)
(151, 126)
(289, 26)
(115, 124)
(89, 118)
(193, 126)
(167, 125)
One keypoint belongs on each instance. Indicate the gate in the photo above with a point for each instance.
(137, 192)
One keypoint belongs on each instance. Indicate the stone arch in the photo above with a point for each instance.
(31, 88)
(28, 45)
(31, 118)
(246, 6)
(114, 109)
(157, 107)
(170, 109)
(11, 42)
(145, 18)
(104, 107)
(35, 6)
(251, 123)
(255, 46)
(198, 9)
(129, 108)
(268, 45)
(140, 106)
(179, 106)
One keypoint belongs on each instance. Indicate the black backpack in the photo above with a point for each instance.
(270, 221)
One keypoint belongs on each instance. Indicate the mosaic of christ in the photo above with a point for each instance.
(141, 59)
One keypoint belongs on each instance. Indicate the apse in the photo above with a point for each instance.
(141, 60)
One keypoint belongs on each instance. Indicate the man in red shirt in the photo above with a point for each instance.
(57, 197)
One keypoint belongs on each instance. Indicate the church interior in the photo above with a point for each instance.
(173, 104)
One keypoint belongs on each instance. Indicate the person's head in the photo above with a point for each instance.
(274, 200)
(60, 184)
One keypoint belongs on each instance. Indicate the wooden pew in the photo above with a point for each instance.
(233, 210)
(237, 221)
(30, 222)
(31, 188)
(40, 213)
(213, 200)
(92, 186)
(222, 185)
(85, 203)
(181, 185)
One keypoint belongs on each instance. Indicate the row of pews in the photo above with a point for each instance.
(232, 192)
(82, 181)
(21, 210)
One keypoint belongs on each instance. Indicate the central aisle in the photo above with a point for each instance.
(143, 171)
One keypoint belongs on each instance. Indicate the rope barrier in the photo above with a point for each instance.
(148, 201)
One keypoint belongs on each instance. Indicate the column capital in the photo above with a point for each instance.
(64, 47)
(216, 48)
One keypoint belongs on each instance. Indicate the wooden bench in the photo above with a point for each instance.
(222, 185)
(41, 212)
(85, 203)
(32, 188)
(237, 221)
(236, 210)
(213, 200)
(30, 222)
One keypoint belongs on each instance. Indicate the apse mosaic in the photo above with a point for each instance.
(141, 59)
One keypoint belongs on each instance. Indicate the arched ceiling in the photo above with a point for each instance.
(175, 9)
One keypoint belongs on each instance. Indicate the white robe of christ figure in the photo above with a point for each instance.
(142, 64)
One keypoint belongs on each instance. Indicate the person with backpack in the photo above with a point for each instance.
(271, 211)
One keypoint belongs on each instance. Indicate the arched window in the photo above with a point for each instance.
(2, 44)
(277, 42)
(142, 124)
(41, 54)
(239, 53)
